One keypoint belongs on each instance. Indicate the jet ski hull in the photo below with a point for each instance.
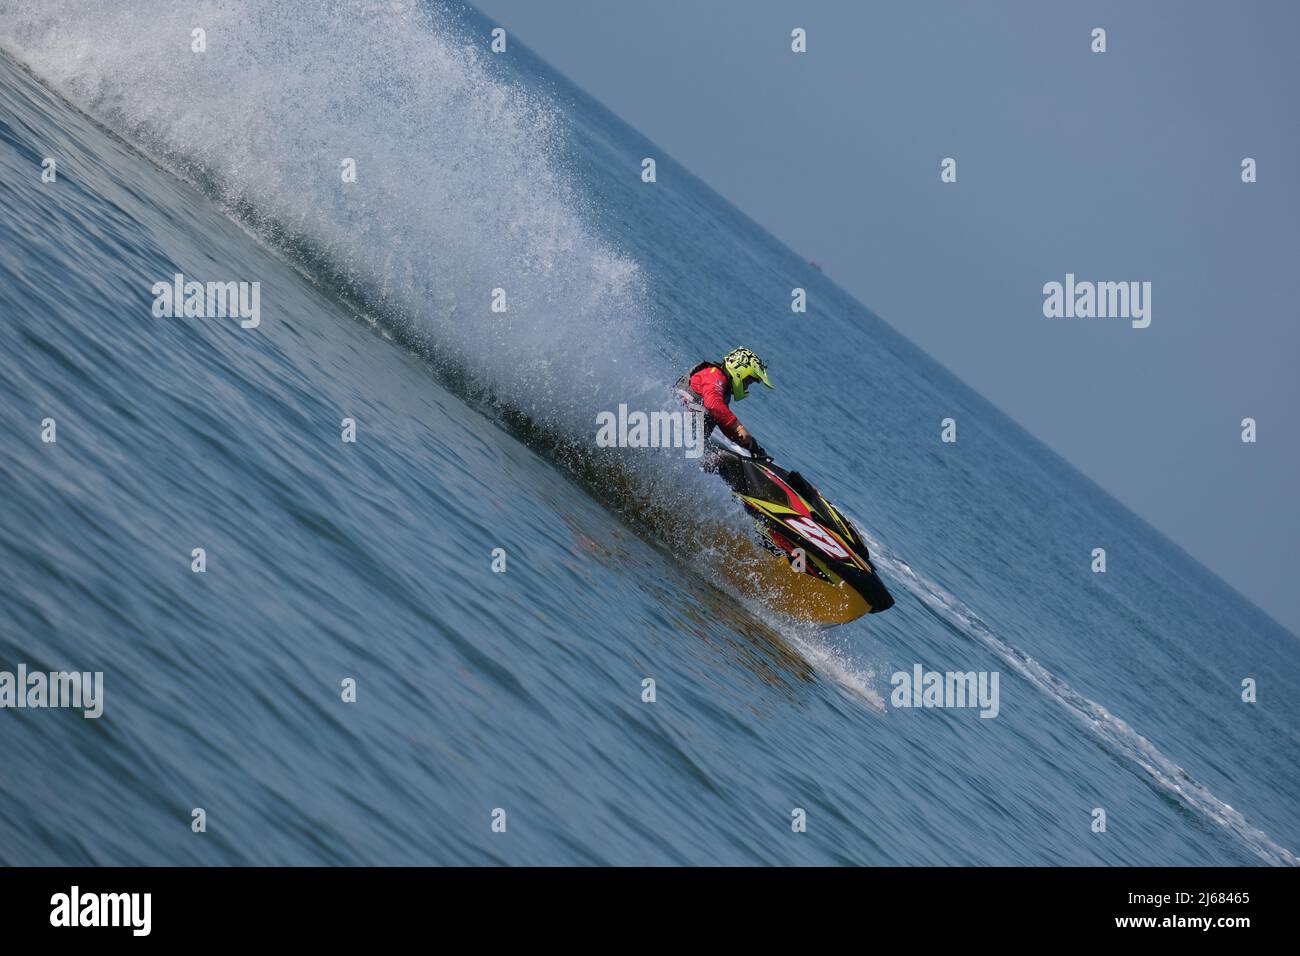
(810, 563)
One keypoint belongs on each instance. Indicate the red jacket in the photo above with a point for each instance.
(714, 388)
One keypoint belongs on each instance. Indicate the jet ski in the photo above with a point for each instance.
(811, 563)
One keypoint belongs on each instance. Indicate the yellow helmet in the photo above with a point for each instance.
(743, 366)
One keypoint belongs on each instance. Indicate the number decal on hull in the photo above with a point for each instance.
(819, 536)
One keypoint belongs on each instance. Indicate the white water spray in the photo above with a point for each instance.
(460, 184)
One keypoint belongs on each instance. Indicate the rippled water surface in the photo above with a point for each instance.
(372, 561)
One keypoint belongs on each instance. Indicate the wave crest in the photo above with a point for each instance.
(460, 184)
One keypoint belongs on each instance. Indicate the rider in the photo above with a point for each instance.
(710, 386)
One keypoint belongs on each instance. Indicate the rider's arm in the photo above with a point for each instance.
(715, 403)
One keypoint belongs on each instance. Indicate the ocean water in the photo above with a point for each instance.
(372, 561)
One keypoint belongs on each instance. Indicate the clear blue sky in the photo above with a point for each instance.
(1115, 166)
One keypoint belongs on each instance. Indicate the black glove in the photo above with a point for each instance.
(755, 448)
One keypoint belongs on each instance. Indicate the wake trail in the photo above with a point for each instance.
(1113, 732)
